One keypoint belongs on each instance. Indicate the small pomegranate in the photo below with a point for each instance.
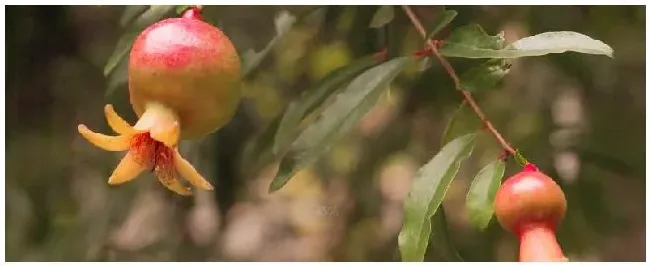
(531, 205)
(184, 79)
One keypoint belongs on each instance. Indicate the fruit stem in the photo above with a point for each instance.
(539, 243)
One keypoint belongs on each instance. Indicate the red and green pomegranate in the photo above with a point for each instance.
(184, 79)
(531, 205)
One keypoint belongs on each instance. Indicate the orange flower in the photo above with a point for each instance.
(152, 144)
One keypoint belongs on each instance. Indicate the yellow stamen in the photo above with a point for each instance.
(109, 143)
(126, 170)
(187, 171)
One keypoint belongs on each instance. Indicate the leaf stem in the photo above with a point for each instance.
(452, 73)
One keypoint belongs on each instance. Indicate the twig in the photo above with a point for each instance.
(466, 94)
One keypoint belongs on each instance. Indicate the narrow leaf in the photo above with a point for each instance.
(560, 42)
(121, 51)
(119, 76)
(463, 121)
(251, 59)
(315, 96)
(427, 192)
(424, 64)
(338, 118)
(480, 197)
(130, 13)
(541, 44)
(441, 237)
(441, 20)
(473, 35)
(259, 151)
(181, 8)
(383, 16)
(484, 76)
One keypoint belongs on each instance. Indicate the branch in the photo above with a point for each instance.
(466, 94)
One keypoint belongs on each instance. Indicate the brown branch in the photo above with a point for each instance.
(452, 73)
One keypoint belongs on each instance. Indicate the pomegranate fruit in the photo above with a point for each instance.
(184, 79)
(531, 205)
(188, 66)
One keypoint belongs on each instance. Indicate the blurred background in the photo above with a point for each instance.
(580, 118)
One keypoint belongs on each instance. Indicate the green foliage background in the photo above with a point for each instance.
(578, 117)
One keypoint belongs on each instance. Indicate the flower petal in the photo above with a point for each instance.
(116, 122)
(187, 171)
(109, 143)
(126, 170)
(171, 181)
(167, 135)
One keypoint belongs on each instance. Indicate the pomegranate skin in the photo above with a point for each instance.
(190, 67)
(529, 198)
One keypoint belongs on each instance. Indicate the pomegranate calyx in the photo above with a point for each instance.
(539, 243)
(152, 145)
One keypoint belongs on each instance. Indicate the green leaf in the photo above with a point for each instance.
(180, 9)
(259, 151)
(338, 118)
(383, 16)
(424, 64)
(315, 96)
(560, 42)
(251, 59)
(441, 20)
(118, 77)
(480, 197)
(122, 49)
(484, 76)
(541, 44)
(427, 192)
(463, 121)
(473, 36)
(441, 238)
(488, 74)
(130, 13)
